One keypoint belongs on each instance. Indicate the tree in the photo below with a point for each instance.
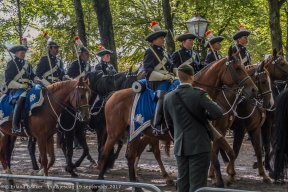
(80, 21)
(105, 26)
(170, 43)
(274, 23)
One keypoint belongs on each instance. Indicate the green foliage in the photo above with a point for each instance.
(131, 20)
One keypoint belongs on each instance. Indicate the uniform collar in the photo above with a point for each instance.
(155, 47)
(241, 47)
(19, 60)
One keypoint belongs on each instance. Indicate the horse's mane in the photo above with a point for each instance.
(59, 85)
(281, 135)
(208, 67)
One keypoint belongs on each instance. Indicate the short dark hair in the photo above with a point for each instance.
(183, 76)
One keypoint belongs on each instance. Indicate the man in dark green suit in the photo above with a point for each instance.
(191, 141)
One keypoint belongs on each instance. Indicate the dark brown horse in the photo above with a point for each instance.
(42, 122)
(227, 71)
(250, 116)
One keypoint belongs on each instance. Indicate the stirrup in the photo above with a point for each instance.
(158, 132)
(14, 131)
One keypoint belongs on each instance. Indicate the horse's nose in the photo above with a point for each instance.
(86, 118)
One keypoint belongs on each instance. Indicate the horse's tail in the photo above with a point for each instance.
(167, 147)
(281, 134)
(58, 139)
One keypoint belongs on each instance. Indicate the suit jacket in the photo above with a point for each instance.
(211, 58)
(182, 55)
(190, 137)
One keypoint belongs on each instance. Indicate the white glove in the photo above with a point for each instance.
(66, 77)
(168, 77)
(24, 86)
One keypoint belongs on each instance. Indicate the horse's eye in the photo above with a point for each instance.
(237, 68)
(263, 82)
(82, 96)
(282, 64)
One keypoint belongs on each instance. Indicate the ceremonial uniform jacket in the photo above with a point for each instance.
(245, 56)
(211, 58)
(26, 74)
(153, 68)
(186, 56)
(108, 66)
(190, 137)
(73, 70)
(43, 70)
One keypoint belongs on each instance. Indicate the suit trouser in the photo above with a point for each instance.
(192, 172)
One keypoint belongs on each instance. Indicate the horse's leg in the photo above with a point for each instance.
(32, 149)
(224, 156)
(157, 154)
(215, 168)
(119, 147)
(42, 144)
(266, 135)
(62, 142)
(9, 149)
(6, 168)
(50, 152)
(222, 143)
(130, 155)
(255, 139)
(69, 137)
(81, 137)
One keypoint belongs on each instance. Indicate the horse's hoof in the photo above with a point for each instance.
(267, 180)
(227, 183)
(271, 174)
(95, 187)
(255, 165)
(74, 175)
(11, 182)
(217, 185)
(138, 189)
(40, 173)
(96, 166)
(170, 183)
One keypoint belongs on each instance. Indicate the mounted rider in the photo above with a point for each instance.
(80, 66)
(186, 54)
(50, 68)
(19, 78)
(242, 39)
(159, 70)
(105, 55)
(214, 46)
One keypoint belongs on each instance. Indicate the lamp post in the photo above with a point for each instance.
(197, 25)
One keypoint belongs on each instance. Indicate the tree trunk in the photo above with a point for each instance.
(105, 26)
(80, 21)
(274, 23)
(19, 21)
(170, 44)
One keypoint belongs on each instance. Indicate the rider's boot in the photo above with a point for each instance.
(158, 115)
(17, 115)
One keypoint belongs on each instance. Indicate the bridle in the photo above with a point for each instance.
(240, 83)
(257, 82)
(282, 72)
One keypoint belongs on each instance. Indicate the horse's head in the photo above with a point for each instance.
(80, 100)
(102, 83)
(235, 76)
(277, 67)
(261, 78)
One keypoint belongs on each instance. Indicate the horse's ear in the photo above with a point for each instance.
(104, 70)
(130, 70)
(262, 65)
(230, 52)
(274, 53)
(280, 52)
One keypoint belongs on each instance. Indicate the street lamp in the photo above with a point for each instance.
(197, 25)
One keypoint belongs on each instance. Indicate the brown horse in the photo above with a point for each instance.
(227, 71)
(250, 116)
(42, 122)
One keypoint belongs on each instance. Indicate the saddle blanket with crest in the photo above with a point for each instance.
(34, 99)
(143, 106)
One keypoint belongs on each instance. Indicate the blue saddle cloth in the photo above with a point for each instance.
(143, 107)
(34, 98)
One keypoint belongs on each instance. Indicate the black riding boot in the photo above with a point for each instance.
(17, 115)
(158, 115)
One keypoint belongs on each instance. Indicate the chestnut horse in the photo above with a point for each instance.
(250, 116)
(42, 122)
(227, 71)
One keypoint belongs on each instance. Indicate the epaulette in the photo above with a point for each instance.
(199, 88)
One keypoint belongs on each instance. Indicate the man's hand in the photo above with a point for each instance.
(66, 77)
(24, 86)
(168, 77)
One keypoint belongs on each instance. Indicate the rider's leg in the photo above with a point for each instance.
(17, 114)
(158, 114)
